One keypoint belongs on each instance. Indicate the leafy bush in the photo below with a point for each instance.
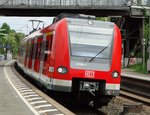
(139, 68)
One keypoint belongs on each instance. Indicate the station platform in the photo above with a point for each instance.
(10, 102)
(131, 73)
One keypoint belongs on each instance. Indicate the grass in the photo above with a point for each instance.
(139, 68)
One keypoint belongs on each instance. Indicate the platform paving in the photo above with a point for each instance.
(10, 102)
(131, 73)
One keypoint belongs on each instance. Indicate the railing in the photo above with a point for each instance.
(75, 2)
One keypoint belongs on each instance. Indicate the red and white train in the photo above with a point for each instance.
(79, 55)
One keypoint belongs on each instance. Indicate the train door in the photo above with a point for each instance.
(47, 56)
(38, 48)
(28, 45)
(26, 53)
(30, 55)
(34, 54)
(43, 45)
(45, 59)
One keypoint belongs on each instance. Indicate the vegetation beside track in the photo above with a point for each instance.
(138, 68)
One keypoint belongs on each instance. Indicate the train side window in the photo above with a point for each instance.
(31, 50)
(47, 44)
(50, 47)
(21, 48)
(27, 49)
(46, 50)
(39, 51)
(36, 50)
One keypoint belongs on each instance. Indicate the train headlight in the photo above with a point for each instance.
(115, 74)
(62, 70)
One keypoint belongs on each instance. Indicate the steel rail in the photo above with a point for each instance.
(135, 88)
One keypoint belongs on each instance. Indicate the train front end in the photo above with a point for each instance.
(93, 61)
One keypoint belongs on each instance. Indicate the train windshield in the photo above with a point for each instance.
(90, 45)
(90, 42)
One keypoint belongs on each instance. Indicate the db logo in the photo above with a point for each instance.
(89, 74)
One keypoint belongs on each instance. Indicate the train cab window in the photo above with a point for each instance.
(92, 43)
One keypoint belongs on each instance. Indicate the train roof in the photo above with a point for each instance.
(30, 36)
(82, 19)
(73, 19)
(92, 23)
(69, 15)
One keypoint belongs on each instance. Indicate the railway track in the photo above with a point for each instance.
(89, 111)
(137, 89)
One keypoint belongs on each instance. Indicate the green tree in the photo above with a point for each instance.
(3, 36)
(6, 27)
(18, 37)
(11, 38)
(103, 18)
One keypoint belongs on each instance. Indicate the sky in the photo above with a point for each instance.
(23, 24)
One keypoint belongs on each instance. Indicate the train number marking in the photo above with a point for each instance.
(89, 74)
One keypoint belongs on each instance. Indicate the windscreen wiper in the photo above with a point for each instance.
(99, 52)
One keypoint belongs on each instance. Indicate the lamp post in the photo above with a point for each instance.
(148, 50)
(149, 35)
(143, 43)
